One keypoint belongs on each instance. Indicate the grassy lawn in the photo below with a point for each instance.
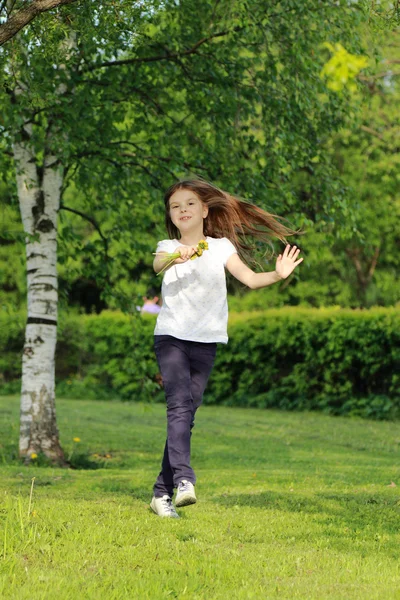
(289, 506)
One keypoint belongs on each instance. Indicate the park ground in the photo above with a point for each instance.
(290, 505)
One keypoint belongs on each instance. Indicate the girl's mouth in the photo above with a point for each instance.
(185, 218)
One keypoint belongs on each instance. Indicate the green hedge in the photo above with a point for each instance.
(335, 360)
(97, 356)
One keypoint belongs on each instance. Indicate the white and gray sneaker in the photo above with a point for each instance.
(185, 494)
(163, 507)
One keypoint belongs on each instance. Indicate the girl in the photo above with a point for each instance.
(194, 313)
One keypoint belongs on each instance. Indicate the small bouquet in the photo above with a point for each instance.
(171, 256)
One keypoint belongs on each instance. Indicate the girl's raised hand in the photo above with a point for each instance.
(186, 252)
(287, 262)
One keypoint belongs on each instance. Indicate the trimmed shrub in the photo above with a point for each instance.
(339, 361)
(97, 356)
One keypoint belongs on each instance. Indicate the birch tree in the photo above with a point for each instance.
(39, 183)
(118, 98)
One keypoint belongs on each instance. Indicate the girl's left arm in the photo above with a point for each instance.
(285, 264)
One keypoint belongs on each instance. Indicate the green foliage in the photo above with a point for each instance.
(342, 68)
(12, 254)
(246, 109)
(338, 361)
(367, 155)
(111, 354)
(133, 99)
(11, 345)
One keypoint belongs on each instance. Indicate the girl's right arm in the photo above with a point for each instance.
(185, 251)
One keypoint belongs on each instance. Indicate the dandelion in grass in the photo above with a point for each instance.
(34, 456)
(76, 440)
(171, 256)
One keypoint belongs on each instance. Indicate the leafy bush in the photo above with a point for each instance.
(107, 355)
(339, 361)
(97, 356)
(334, 360)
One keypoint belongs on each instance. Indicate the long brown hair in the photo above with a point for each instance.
(230, 216)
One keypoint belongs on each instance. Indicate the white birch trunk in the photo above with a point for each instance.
(39, 197)
(39, 191)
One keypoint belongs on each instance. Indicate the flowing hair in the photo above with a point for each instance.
(230, 216)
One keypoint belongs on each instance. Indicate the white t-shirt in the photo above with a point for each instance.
(194, 295)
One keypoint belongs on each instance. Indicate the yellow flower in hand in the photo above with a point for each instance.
(171, 256)
(202, 245)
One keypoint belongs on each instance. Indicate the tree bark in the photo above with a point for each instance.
(24, 16)
(39, 195)
(364, 272)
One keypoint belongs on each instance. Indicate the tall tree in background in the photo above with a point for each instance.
(373, 150)
(117, 98)
(360, 268)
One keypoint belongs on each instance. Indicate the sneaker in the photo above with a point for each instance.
(163, 507)
(185, 494)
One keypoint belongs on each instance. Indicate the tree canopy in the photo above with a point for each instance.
(127, 97)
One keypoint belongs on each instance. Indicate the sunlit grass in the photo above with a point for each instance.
(290, 506)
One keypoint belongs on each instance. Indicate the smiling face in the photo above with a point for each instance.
(186, 210)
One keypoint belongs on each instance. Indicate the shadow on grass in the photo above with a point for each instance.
(83, 461)
(9, 457)
(105, 487)
(119, 485)
(357, 511)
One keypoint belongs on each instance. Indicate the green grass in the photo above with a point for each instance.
(290, 506)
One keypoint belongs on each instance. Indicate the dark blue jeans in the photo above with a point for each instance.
(185, 368)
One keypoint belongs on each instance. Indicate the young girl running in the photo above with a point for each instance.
(194, 312)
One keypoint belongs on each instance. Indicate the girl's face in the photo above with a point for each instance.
(186, 210)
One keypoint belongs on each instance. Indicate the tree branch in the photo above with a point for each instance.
(378, 75)
(364, 276)
(373, 264)
(166, 159)
(93, 222)
(3, 5)
(85, 216)
(97, 227)
(25, 15)
(167, 56)
(353, 254)
(373, 132)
